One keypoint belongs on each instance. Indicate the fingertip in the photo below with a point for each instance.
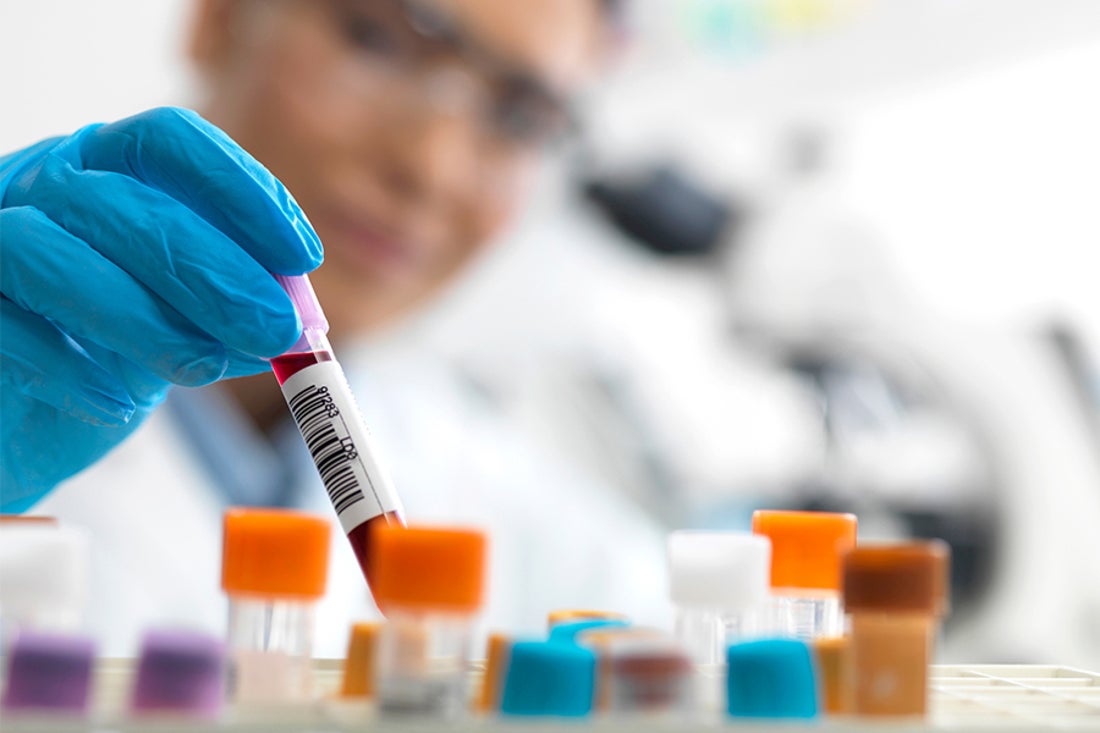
(100, 408)
(314, 250)
(275, 327)
(311, 253)
(201, 371)
(284, 333)
(245, 365)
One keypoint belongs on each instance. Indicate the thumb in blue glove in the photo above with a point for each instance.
(135, 255)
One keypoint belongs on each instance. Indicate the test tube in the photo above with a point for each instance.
(44, 579)
(358, 677)
(807, 548)
(48, 673)
(332, 426)
(43, 576)
(429, 583)
(648, 676)
(831, 653)
(894, 596)
(274, 569)
(718, 583)
(549, 679)
(600, 640)
(498, 650)
(179, 674)
(771, 678)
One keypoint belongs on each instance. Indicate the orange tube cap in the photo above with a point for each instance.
(428, 568)
(275, 553)
(807, 547)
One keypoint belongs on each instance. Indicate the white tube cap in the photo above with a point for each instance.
(43, 576)
(718, 570)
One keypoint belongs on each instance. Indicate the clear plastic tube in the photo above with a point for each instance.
(44, 579)
(274, 569)
(648, 676)
(430, 584)
(421, 663)
(806, 614)
(702, 632)
(272, 648)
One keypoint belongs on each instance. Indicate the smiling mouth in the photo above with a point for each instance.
(373, 249)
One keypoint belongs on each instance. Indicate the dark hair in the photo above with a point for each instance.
(613, 9)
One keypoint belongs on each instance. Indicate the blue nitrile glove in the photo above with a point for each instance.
(133, 255)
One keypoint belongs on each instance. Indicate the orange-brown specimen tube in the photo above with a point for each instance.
(498, 649)
(831, 653)
(358, 680)
(894, 595)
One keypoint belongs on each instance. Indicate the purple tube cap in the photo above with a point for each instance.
(181, 673)
(49, 673)
(305, 301)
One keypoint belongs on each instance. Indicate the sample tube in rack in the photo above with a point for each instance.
(44, 579)
(549, 679)
(49, 673)
(43, 576)
(358, 677)
(180, 674)
(647, 676)
(600, 640)
(718, 584)
(498, 649)
(894, 596)
(274, 569)
(429, 583)
(807, 548)
(329, 420)
(771, 678)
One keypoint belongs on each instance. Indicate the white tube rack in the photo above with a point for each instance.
(963, 698)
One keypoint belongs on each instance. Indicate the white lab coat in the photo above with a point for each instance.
(557, 539)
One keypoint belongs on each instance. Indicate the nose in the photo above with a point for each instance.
(434, 146)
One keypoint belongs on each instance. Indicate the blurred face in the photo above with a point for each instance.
(406, 130)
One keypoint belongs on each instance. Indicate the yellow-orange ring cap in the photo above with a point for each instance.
(428, 568)
(567, 615)
(23, 519)
(275, 553)
(807, 547)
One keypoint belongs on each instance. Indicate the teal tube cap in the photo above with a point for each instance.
(569, 631)
(771, 678)
(547, 678)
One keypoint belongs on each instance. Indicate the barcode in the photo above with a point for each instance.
(330, 444)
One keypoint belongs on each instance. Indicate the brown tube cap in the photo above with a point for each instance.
(900, 577)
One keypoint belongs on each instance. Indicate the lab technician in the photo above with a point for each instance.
(136, 257)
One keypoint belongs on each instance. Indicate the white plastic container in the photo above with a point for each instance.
(719, 585)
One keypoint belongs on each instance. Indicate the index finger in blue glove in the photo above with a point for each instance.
(191, 160)
(165, 246)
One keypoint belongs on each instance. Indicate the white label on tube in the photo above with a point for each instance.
(341, 446)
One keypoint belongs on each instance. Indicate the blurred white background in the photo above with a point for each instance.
(967, 129)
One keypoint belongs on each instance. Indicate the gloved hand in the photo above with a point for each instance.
(133, 255)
